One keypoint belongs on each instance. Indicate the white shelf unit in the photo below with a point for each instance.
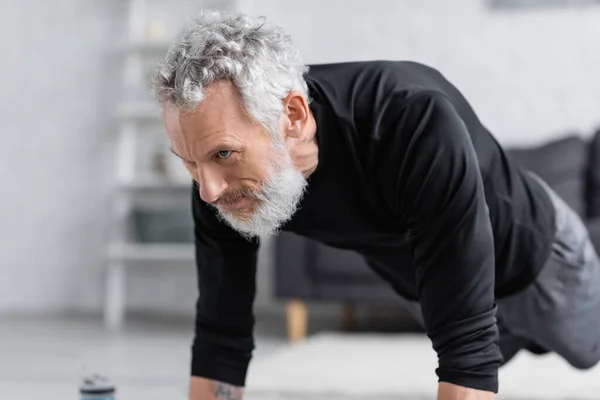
(148, 38)
(152, 252)
(133, 190)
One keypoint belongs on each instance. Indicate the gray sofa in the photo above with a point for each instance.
(307, 271)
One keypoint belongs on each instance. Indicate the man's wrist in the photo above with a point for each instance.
(450, 391)
(209, 389)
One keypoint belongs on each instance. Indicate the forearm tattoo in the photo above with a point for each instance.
(224, 391)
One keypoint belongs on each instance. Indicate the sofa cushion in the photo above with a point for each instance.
(593, 194)
(562, 164)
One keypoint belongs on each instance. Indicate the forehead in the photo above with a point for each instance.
(218, 117)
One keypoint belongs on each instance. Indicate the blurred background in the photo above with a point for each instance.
(96, 263)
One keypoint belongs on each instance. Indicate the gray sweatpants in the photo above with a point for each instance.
(560, 310)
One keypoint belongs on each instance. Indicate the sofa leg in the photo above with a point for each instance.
(297, 320)
(348, 316)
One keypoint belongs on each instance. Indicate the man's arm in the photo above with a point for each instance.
(224, 341)
(441, 198)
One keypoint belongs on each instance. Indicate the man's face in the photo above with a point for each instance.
(244, 172)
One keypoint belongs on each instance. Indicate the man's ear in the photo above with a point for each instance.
(296, 112)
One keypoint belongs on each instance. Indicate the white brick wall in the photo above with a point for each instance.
(530, 76)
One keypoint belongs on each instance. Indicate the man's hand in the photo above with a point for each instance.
(449, 391)
(207, 389)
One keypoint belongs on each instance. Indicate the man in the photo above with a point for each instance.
(385, 158)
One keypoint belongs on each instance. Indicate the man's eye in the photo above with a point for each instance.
(223, 154)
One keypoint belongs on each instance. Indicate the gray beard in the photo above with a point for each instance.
(277, 200)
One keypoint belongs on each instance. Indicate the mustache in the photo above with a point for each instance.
(235, 195)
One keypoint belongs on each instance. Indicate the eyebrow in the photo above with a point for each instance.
(212, 149)
(173, 151)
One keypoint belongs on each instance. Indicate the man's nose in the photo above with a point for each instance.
(212, 184)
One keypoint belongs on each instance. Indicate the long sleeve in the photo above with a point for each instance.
(441, 198)
(226, 268)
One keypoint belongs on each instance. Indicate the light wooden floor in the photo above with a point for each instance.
(149, 359)
(42, 358)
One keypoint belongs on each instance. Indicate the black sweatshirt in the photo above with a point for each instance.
(406, 173)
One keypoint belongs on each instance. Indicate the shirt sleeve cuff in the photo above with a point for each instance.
(216, 364)
(474, 380)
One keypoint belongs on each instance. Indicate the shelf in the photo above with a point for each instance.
(153, 252)
(156, 185)
(156, 194)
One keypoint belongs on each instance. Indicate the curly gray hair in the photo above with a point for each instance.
(258, 59)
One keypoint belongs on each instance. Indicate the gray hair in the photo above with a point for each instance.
(258, 59)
